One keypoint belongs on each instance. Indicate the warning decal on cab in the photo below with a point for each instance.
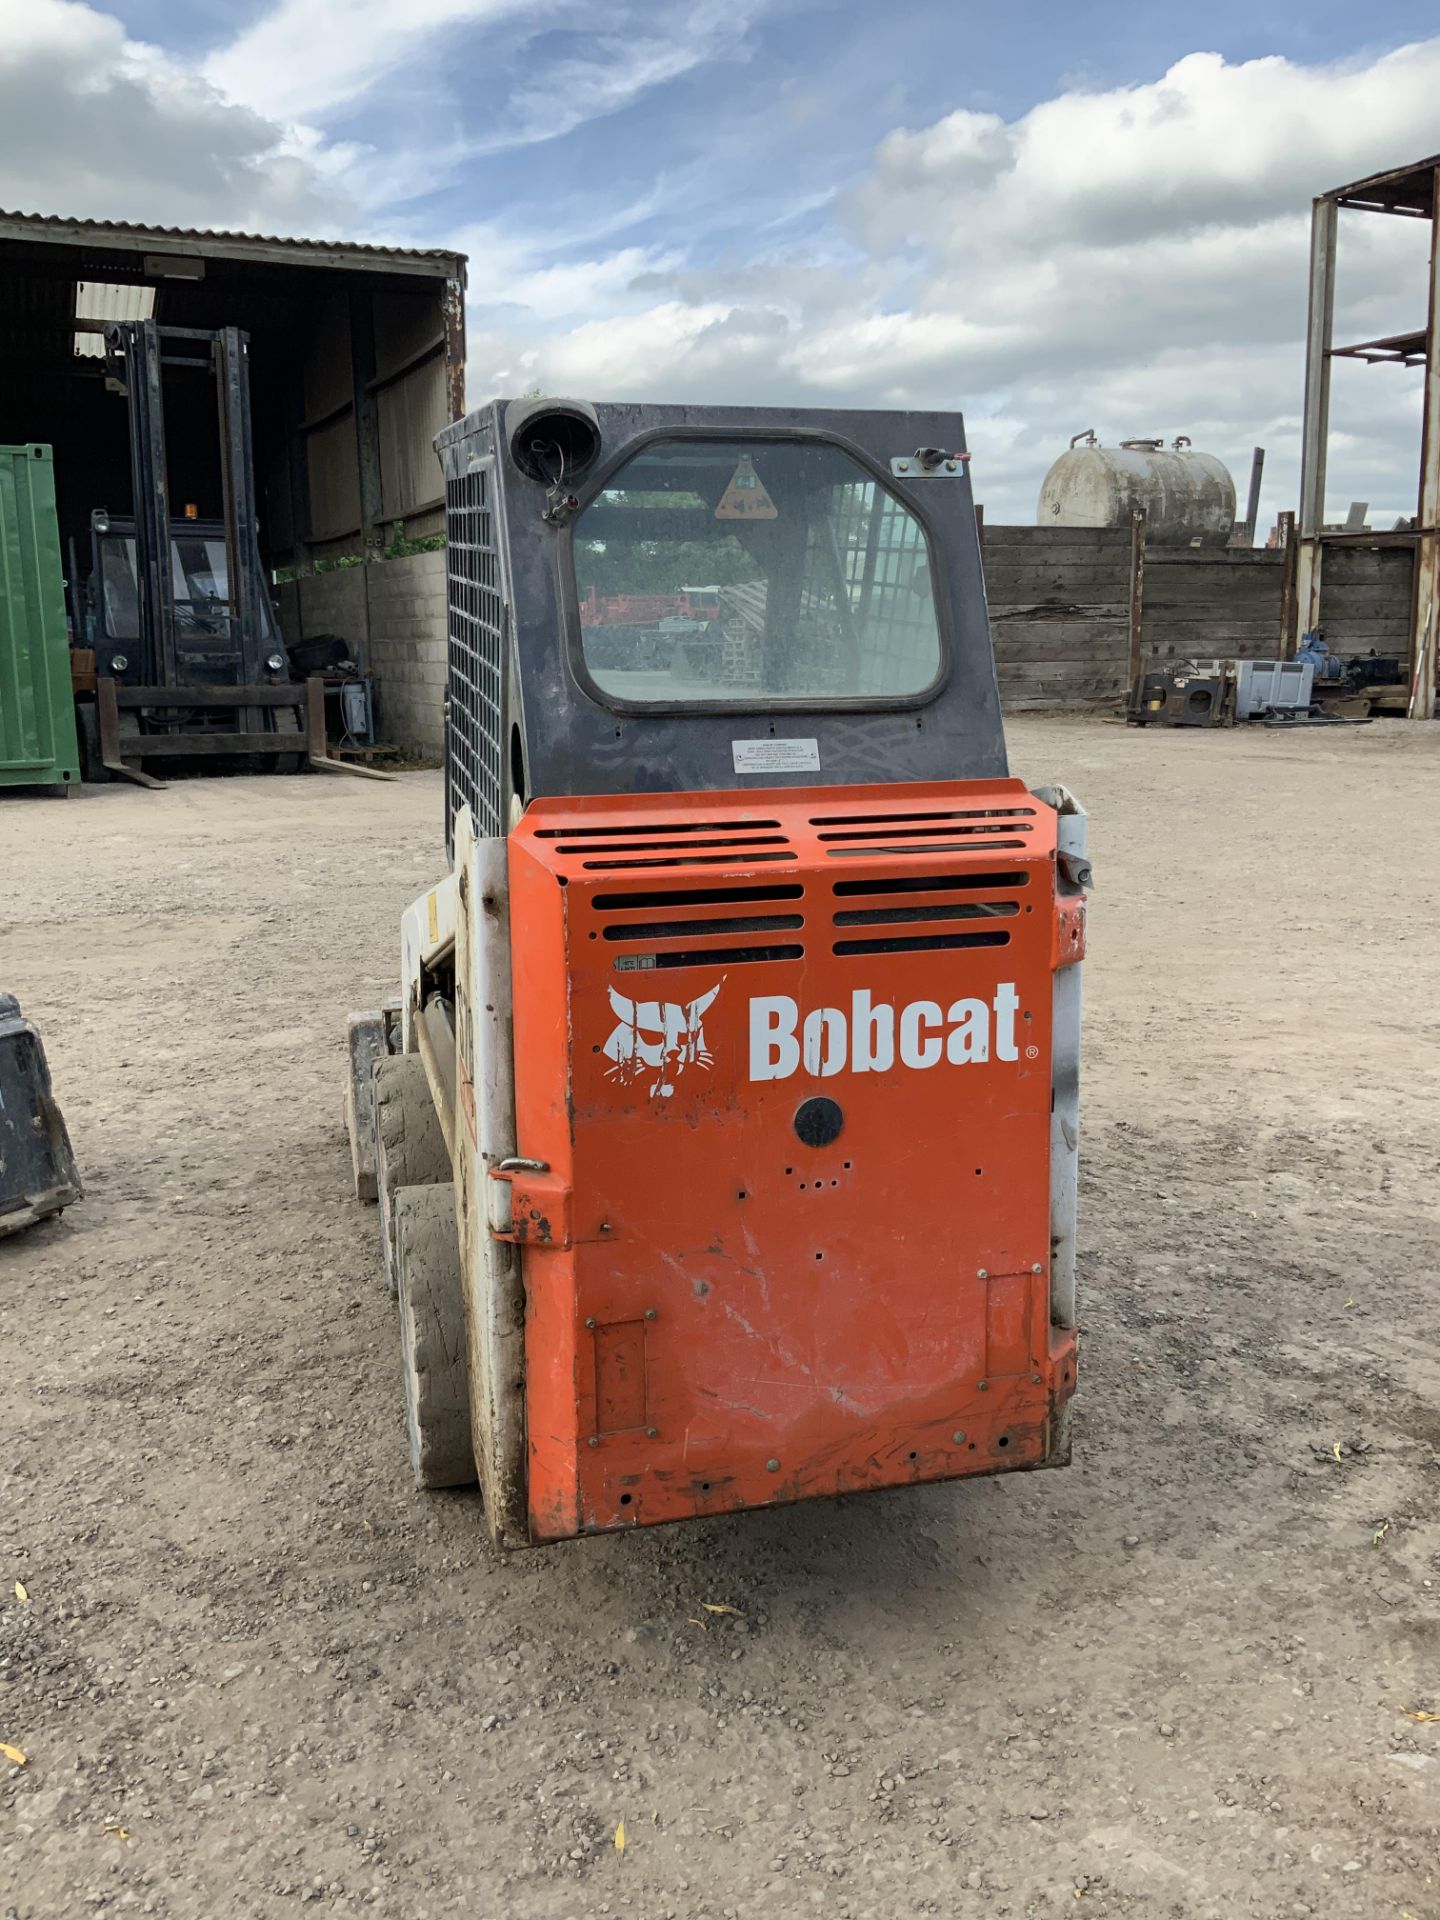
(745, 498)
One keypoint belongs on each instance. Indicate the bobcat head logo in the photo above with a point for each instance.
(659, 1038)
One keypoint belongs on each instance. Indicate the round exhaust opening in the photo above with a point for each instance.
(552, 441)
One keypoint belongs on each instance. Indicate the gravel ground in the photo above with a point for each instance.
(1187, 1677)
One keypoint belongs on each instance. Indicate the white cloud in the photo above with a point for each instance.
(612, 68)
(95, 124)
(300, 61)
(301, 58)
(1133, 259)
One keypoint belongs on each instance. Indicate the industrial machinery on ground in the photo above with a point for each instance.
(1357, 684)
(38, 1177)
(182, 656)
(724, 1131)
(1316, 688)
(1185, 694)
(1188, 497)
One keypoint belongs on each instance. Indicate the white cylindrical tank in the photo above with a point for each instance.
(1188, 497)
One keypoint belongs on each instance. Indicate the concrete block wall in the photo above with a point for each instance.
(409, 649)
(392, 615)
(335, 603)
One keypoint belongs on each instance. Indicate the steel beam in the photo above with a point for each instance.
(1288, 637)
(367, 416)
(453, 311)
(1319, 332)
(1425, 635)
(1136, 662)
(1252, 501)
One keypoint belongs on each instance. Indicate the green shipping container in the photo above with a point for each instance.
(37, 709)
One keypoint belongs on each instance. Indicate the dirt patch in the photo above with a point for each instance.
(257, 1670)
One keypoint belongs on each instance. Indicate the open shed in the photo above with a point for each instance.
(357, 359)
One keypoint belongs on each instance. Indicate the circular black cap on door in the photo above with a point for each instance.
(819, 1121)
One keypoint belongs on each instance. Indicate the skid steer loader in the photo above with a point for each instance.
(723, 1133)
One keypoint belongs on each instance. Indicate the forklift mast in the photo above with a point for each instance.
(138, 354)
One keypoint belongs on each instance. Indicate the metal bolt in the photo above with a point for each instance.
(981, 1274)
(652, 1433)
(984, 1386)
(1037, 1268)
(904, 465)
(958, 1436)
(649, 1313)
(604, 1226)
(772, 1466)
(593, 1441)
(1035, 1380)
(950, 465)
(591, 1324)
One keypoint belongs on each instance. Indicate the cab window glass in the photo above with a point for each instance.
(752, 570)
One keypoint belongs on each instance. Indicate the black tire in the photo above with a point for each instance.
(87, 726)
(287, 720)
(432, 1337)
(364, 1048)
(409, 1146)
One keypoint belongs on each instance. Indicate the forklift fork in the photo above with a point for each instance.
(117, 754)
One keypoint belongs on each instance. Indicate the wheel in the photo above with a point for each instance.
(87, 726)
(364, 1045)
(409, 1146)
(287, 720)
(432, 1336)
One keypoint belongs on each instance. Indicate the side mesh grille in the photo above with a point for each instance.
(476, 726)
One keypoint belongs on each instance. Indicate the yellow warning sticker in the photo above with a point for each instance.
(434, 918)
(745, 498)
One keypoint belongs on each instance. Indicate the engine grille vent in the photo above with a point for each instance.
(671, 916)
(958, 830)
(651, 830)
(903, 909)
(741, 856)
(923, 943)
(891, 821)
(933, 883)
(693, 929)
(697, 897)
(705, 957)
(949, 910)
(686, 843)
(739, 844)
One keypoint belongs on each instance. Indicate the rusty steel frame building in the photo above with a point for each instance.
(1414, 193)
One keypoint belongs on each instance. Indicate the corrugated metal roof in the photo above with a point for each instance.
(133, 237)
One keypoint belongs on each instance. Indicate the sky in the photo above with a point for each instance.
(1050, 216)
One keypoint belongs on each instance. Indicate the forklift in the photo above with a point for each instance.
(180, 654)
(723, 1131)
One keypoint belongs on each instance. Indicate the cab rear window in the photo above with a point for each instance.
(746, 571)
